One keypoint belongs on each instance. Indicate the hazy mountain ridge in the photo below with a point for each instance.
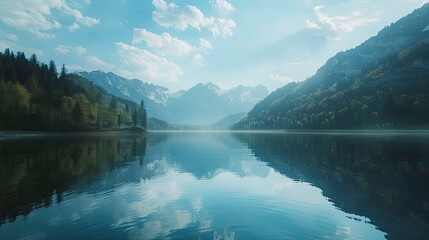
(203, 104)
(229, 120)
(381, 83)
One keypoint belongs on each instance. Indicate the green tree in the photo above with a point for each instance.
(113, 104)
(143, 115)
(67, 106)
(119, 120)
(77, 114)
(113, 111)
(53, 69)
(135, 118)
(53, 76)
(3, 96)
(63, 73)
(21, 97)
(144, 118)
(35, 90)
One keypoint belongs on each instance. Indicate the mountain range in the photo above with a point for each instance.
(203, 104)
(383, 83)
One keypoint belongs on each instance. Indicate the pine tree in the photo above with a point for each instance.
(63, 73)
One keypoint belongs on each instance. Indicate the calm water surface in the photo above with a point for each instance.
(216, 186)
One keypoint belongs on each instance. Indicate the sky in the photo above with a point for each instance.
(179, 43)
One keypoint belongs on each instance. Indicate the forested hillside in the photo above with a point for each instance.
(383, 83)
(34, 96)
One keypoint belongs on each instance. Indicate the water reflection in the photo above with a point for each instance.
(36, 174)
(215, 186)
(384, 178)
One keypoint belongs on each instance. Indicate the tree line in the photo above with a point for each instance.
(35, 96)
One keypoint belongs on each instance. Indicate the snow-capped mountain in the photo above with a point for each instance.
(243, 94)
(134, 89)
(203, 104)
(155, 97)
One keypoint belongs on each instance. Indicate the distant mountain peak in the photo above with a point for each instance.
(207, 85)
(204, 103)
(211, 87)
(214, 87)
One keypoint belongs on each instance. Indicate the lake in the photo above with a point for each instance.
(217, 185)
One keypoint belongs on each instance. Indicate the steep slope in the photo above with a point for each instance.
(203, 104)
(156, 124)
(155, 97)
(384, 82)
(229, 120)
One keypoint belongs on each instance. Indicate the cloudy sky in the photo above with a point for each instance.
(178, 43)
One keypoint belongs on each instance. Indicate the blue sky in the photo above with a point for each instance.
(183, 42)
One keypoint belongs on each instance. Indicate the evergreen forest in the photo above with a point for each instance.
(35, 96)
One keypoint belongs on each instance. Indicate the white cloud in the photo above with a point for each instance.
(223, 5)
(66, 49)
(62, 49)
(197, 59)
(146, 64)
(220, 27)
(80, 50)
(78, 4)
(164, 43)
(205, 44)
(73, 27)
(312, 25)
(75, 68)
(280, 78)
(171, 15)
(418, 2)
(9, 36)
(99, 63)
(79, 18)
(293, 71)
(8, 41)
(340, 23)
(30, 51)
(5, 44)
(35, 16)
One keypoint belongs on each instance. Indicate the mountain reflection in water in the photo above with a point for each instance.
(216, 186)
(382, 177)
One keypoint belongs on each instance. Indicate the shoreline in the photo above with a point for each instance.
(310, 131)
(17, 134)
